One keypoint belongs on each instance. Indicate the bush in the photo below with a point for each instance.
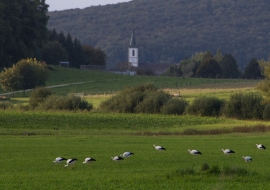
(266, 112)
(205, 106)
(126, 100)
(5, 105)
(70, 102)
(23, 107)
(153, 102)
(38, 96)
(174, 106)
(245, 106)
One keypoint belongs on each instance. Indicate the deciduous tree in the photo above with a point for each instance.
(26, 74)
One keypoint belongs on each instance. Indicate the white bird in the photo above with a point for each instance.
(227, 151)
(194, 152)
(127, 154)
(260, 146)
(71, 161)
(159, 148)
(247, 158)
(59, 159)
(89, 160)
(117, 158)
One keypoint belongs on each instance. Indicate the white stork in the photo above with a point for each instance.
(194, 152)
(127, 154)
(88, 160)
(247, 158)
(227, 151)
(59, 159)
(71, 161)
(117, 158)
(159, 148)
(260, 146)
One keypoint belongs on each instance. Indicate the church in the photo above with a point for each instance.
(133, 52)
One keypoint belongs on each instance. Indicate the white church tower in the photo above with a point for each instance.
(133, 53)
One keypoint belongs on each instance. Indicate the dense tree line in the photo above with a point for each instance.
(23, 29)
(24, 34)
(168, 31)
(207, 65)
(64, 48)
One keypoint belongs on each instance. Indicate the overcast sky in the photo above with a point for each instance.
(58, 5)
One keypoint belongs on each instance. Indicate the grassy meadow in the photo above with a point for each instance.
(31, 140)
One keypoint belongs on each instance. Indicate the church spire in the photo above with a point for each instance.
(133, 39)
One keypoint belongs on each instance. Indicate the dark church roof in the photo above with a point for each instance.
(133, 39)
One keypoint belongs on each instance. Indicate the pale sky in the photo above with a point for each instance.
(58, 5)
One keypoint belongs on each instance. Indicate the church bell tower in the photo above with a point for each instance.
(133, 53)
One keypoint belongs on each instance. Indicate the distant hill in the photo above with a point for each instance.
(167, 31)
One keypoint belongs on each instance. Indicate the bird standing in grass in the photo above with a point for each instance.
(59, 159)
(227, 151)
(88, 160)
(261, 146)
(71, 161)
(194, 152)
(159, 148)
(127, 154)
(117, 158)
(247, 158)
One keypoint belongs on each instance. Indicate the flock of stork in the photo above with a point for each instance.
(88, 160)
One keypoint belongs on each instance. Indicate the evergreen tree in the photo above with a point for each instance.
(53, 53)
(78, 54)
(252, 70)
(23, 29)
(62, 38)
(229, 67)
(70, 49)
(53, 36)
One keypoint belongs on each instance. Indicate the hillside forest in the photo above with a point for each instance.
(172, 30)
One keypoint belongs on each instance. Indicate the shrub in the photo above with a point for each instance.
(23, 107)
(153, 102)
(205, 106)
(5, 105)
(129, 98)
(245, 106)
(266, 112)
(38, 95)
(174, 106)
(69, 102)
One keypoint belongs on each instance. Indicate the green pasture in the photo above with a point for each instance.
(99, 83)
(26, 162)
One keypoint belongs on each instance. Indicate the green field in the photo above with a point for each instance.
(31, 140)
(26, 162)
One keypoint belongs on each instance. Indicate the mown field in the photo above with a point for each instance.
(30, 141)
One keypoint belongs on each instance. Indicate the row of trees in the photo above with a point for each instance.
(24, 34)
(64, 48)
(207, 65)
(23, 29)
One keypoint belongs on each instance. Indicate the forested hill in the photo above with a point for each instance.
(169, 30)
